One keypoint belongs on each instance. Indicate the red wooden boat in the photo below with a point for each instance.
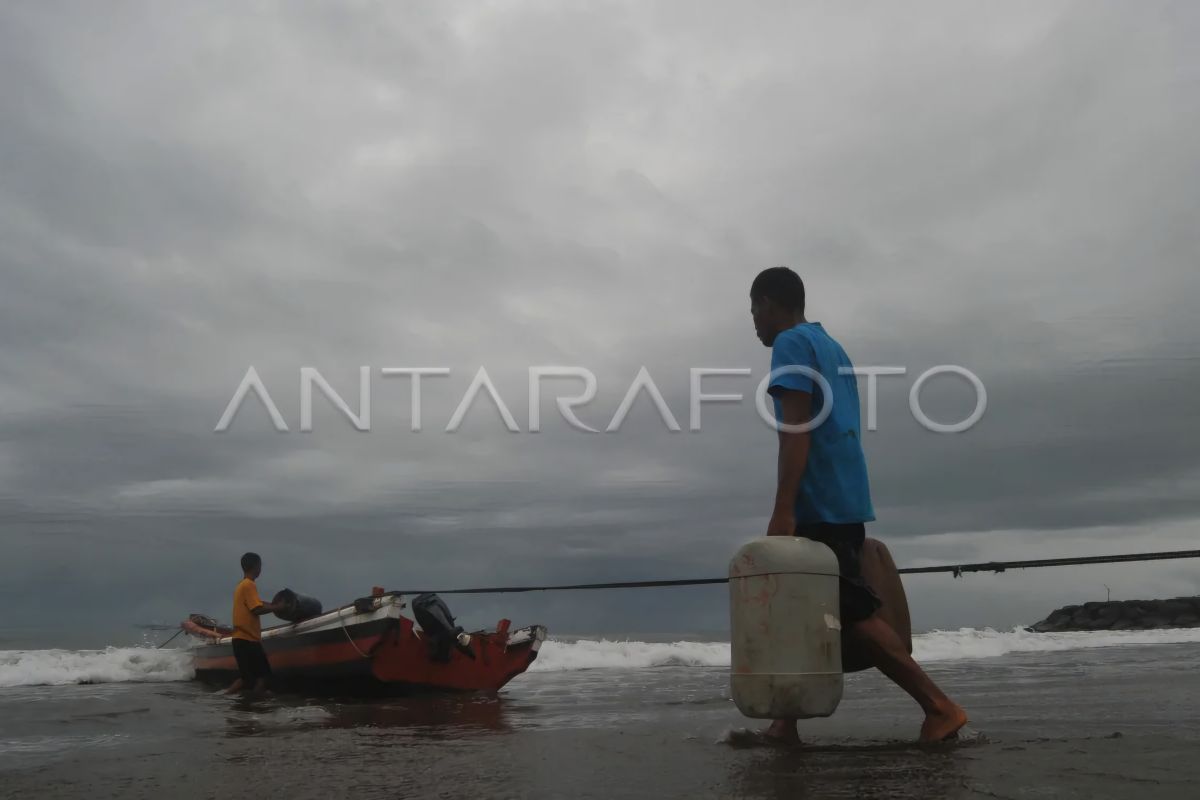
(370, 646)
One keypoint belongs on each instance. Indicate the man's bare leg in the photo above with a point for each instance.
(782, 731)
(236, 686)
(943, 717)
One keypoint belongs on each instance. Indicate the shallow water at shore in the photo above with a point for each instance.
(1098, 720)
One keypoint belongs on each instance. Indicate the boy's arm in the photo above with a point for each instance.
(257, 607)
(795, 408)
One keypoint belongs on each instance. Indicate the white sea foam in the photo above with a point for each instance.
(111, 665)
(127, 664)
(959, 645)
(556, 656)
(972, 643)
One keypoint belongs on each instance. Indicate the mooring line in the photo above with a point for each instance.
(955, 569)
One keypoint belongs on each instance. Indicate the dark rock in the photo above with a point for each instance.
(1172, 608)
(1061, 615)
(1117, 615)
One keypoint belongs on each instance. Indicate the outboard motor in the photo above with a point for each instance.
(437, 622)
(296, 607)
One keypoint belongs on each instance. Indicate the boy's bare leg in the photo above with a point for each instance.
(236, 686)
(943, 717)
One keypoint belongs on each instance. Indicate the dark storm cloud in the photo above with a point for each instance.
(185, 193)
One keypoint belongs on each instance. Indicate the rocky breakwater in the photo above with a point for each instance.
(1124, 615)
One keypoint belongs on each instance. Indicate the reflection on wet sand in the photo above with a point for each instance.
(428, 716)
(880, 769)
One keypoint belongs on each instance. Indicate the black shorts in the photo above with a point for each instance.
(251, 661)
(857, 600)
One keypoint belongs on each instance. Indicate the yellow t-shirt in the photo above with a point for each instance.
(246, 624)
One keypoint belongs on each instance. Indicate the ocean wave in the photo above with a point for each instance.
(961, 645)
(973, 643)
(129, 664)
(111, 665)
(556, 656)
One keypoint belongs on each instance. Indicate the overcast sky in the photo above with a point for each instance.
(188, 190)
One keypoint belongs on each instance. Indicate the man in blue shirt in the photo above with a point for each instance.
(822, 491)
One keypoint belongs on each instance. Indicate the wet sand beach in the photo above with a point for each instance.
(1113, 721)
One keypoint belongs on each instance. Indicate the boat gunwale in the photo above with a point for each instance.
(388, 607)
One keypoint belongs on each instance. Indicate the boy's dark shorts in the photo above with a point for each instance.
(251, 661)
(857, 600)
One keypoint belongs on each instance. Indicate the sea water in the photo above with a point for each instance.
(1107, 714)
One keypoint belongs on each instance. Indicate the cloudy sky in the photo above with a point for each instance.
(188, 190)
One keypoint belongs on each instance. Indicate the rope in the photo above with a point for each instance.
(349, 638)
(565, 587)
(956, 569)
(1001, 566)
(168, 641)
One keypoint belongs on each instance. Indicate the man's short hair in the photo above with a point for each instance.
(780, 285)
(250, 561)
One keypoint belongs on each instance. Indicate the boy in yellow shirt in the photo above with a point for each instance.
(252, 662)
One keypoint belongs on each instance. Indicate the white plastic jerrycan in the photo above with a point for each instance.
(785, 632)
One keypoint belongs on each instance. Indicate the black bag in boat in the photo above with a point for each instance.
(296, 607)
(437, 622)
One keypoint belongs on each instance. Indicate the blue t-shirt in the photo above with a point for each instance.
(834, 487)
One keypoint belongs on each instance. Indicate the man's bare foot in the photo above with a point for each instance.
(782, 731)
(942, 724)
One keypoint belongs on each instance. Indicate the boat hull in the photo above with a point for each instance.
(376, 651)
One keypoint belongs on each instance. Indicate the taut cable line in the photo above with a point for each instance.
(956, 570)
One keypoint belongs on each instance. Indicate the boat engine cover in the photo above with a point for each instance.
(435, 619)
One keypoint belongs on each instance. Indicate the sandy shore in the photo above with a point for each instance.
(1110, 722)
